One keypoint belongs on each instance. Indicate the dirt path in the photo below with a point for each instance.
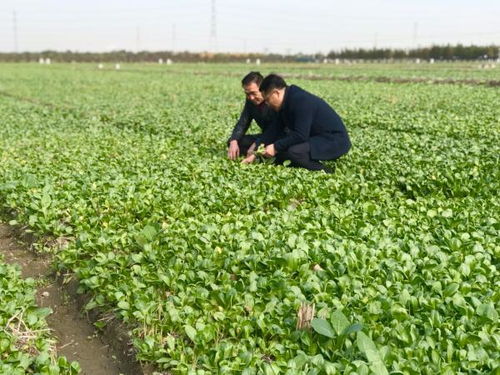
(76, 336)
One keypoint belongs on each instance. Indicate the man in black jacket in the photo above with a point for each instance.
(313, 131)
(255, 109)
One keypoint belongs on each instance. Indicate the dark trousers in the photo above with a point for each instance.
(245, 142)
(300, 157)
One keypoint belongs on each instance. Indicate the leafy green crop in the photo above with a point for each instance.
(25, 345)
(209, 260)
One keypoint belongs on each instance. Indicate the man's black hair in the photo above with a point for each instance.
(252, 77)
(271, 82)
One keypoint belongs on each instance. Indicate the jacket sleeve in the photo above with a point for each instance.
(243, 124)
(271, 133)
(300, 131)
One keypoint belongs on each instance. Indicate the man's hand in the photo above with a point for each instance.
(270, 151)
(251, 150)
(249, 159)
(233, 151)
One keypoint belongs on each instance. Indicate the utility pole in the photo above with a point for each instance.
(415, 31)
(213, 29)
(14, 24)
(173, 37)
(138, 39)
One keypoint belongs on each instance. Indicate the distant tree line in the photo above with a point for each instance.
(129, 56)
(448, 52)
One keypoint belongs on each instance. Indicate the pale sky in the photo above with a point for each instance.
(306, 26)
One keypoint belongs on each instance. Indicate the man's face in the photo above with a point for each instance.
(253, 94)
(273, 98)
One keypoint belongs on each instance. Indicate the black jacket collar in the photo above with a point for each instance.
(285, 98)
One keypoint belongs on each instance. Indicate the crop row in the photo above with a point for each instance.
(26, 346)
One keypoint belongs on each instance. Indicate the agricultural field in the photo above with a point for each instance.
(209, 261)
(479, 71)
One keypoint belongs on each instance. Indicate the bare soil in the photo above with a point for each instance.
(77, 338)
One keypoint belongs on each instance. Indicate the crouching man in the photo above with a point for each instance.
(256, 109)
(308, 130)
